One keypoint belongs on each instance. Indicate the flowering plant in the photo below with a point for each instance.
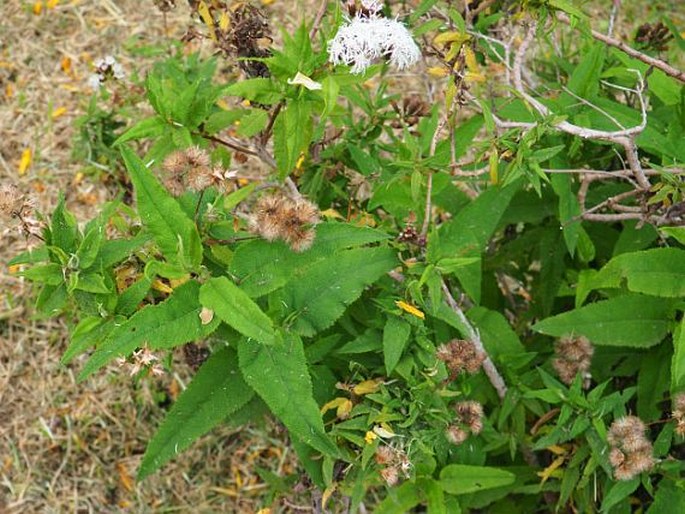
(413, 284)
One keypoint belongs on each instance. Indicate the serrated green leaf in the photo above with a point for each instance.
(173, 322)
(63, 229)
(253, 123)
(631, 320)
(619, 491)
(263, 267)
(217, 391)
(147, 128)
(88, 333)
(292, 135)
(237, 309)
(395, 337)
(463, 479)
(678, 360)
(280, 376)
(321, 294)
(173, 231)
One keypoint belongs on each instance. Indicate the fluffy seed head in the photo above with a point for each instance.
(391, 475)
(278, 217)
(384, 455)
(573, 356)
(460, 355)
(470, 413)
(456, 435)
(12, 202)
(627, 427)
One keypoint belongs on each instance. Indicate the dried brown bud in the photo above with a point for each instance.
(574, 355)
(384, 455)
(631, 452)
(456, 435)
(391, 475)
(470, 413)
(278, 217)
(460, 355)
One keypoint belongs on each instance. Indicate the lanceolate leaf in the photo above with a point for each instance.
(292, 135)
(462, 479)
(173, 231)
(321, 294)
(173, 322)
(395, 337)
(217, 391)
(280, 376)
(234, 307)
(678, 360)
(632, 320)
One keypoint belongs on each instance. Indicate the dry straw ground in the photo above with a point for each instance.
(67, 447)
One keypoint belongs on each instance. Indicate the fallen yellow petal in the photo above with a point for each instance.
(160, 286)
(25, 161)
(437, 71)
(410, 309)
(52, 4)
(66, 64)
(37, 7)
(332, 213)
(58, 112)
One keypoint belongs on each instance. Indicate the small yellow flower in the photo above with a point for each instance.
(370, 437)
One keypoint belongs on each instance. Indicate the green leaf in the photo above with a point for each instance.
(619, 491)
(584, 80)
(321, 294)
(463, 479)
(468, 234)
(280, 376)
(173, 322)
(51, 274)
(262, 267)
(217, 391)
(85, 335)
(567, 7)
(652, 382)
(497, 335)
(63, 229)
(253, 123)
(395, 337)
(658, 272)
(173, 231)
(260, 90)
(237, 309)
(678, 360)
(569, 208)
(631, 320)
(148, 128)
(400, 499)
(292, 135)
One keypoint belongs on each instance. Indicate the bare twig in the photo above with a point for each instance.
(488, 366)
(612, 17)
(319, 17)
(652, 61)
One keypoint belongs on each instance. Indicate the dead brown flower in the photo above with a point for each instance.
(460, 355)
(573, 356)
(631, 452)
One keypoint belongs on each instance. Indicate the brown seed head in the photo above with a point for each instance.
(12, 202)
(630, 427)
(384, 455)
(391, 475)
(456, 435)
(574, 355)
(470, 413)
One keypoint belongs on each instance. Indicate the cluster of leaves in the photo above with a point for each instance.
(339, 341)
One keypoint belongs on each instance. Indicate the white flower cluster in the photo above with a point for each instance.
(104, 69)
(367, 38)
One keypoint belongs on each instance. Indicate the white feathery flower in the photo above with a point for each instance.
(105, 68)
(94, 81)
(363, 39)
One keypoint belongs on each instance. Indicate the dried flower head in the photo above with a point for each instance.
(391, 475)
(460, 355)
(188, 169)
(12, 201)
(279, 217)
(470, 413)
(679, 413)
(456, 435)
(368, 37)
(573, 356)
(631, 451)
(384, 455)
(165, 5)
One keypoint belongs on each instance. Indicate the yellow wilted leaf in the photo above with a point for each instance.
(342, 405)
(451, 37)
(406, 307)
(58, 112)
(437, 71)
(367, 386)
(9, 90)
(493, 161)
(25, 161)
(327, 494)
(332, 213)
(175, 282)
(557, 450)
(474, 74)
(224, 21)
(546, 473)
(207, 18)
(160, 286)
